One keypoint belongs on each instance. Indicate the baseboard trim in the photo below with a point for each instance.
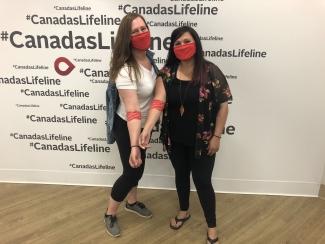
(321, 193)
(166, 182)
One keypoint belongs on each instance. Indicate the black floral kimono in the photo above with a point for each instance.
(215, 92)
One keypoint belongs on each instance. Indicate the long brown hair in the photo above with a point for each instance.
(122, 50)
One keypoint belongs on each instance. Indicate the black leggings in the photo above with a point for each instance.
(130, 176)
(183, 161)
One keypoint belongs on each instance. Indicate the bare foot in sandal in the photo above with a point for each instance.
(178, 221)
(212, 236)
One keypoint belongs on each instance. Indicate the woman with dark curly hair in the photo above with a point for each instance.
(193, 95)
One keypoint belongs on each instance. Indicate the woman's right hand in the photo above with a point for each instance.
(144, 139)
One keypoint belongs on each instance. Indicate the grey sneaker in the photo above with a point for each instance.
(138, 208)
(112, 227)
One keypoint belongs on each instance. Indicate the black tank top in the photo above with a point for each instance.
(182, 128)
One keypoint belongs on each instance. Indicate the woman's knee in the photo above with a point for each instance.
(202, 182)
(133, 176)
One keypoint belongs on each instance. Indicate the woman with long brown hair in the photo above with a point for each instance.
(132, 70)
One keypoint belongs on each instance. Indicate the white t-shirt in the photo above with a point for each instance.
(144, 88)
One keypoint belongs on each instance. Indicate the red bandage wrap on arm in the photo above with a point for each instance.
(133, 115)
(157, 104)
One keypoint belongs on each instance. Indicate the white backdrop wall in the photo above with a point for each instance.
(272, 53)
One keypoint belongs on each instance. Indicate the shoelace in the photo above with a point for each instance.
(113, 220)
(141, 205)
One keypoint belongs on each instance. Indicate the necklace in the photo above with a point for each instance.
(181, 108)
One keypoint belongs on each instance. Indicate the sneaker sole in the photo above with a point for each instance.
(132, 211)
(110, 232)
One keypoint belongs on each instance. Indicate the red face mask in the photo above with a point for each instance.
(141, 41)
(185, 51)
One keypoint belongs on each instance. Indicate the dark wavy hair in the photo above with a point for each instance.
(200, 74)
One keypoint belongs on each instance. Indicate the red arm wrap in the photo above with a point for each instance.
(157, 104)
(133, 115)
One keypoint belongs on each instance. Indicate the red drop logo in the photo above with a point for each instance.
(67, 62)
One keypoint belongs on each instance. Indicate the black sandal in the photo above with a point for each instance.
(177, 220)
(212, 241)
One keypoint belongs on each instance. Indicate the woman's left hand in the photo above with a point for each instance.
(214, 145)
(135, 157)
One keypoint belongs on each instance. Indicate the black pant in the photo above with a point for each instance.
(130, 176)
(183, 161)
